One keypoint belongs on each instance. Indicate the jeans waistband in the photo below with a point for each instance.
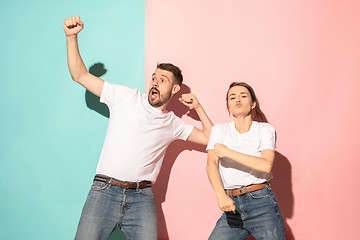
(243, 190)
(124, 184)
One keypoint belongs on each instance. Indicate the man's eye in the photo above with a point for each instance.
(162, 80)
(243, 96)
(232, 98)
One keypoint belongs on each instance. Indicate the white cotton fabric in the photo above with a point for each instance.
(137, 135)
(261, 136)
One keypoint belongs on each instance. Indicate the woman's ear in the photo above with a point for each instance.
(253, 105)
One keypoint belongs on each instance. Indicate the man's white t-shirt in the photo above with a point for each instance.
(137, 136)
(261, 136)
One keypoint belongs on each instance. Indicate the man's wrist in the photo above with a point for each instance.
(72, 36)
(198, 108)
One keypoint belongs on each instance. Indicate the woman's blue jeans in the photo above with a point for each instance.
(108, 206)
(259, 215)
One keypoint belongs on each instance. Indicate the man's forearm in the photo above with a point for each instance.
(205, 121)
(75, 63)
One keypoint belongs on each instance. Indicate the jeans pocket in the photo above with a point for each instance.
(98, 186)
(262, 193)
(147, 191)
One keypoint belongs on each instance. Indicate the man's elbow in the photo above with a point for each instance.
(79, 78)
(198, 137)
(205, 137)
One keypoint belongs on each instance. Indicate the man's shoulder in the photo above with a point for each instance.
(121, 87)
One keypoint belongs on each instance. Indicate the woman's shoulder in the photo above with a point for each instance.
(263, 126)
(223, 125)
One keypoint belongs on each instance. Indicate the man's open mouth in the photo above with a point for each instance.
(153, 93)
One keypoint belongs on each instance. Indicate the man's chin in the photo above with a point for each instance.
(155, 103)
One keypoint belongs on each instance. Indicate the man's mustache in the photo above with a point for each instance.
(154, 89)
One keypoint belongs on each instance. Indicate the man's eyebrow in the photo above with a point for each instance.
(164, 76)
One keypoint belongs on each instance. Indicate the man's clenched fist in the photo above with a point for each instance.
(73, 25)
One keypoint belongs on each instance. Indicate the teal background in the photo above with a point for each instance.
(50, 139)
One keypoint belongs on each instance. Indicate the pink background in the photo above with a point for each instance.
(302, 58)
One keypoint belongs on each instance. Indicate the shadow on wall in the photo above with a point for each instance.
(282, 187)
(93, 101)
(281, 184)
(172, 152)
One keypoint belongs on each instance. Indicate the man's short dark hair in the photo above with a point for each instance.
(178, 78)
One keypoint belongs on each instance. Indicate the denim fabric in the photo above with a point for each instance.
(259, 216)
(108, 206)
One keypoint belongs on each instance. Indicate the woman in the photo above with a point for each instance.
(240, 158)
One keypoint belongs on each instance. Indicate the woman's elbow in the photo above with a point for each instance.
(267, 168)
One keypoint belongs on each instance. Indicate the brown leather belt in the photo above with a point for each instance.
(241, 191)
(124, 184)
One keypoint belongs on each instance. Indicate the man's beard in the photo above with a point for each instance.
(161, 99)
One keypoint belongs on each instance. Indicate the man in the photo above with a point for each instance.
(139, 131)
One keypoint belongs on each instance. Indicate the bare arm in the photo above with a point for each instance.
(226, 204)
(197, 135)
(262, 164)
(78, 71)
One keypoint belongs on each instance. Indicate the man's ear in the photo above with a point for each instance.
(175, 89)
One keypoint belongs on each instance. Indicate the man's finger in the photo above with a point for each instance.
(77, 19)
(72, 21)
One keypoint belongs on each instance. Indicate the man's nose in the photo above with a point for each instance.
(155, 83)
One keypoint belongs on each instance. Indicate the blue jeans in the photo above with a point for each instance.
(108, 206)
(259, 216)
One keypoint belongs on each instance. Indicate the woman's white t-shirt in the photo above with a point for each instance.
(261, 136)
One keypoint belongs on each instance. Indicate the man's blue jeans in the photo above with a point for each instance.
(260, 217)
(108, 206)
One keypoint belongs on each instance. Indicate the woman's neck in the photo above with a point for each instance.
(243, 124)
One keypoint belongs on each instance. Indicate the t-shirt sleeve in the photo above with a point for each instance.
(267, 138)
(182, 129)
(215, 137)
(113, 94)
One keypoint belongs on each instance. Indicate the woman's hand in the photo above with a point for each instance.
(226, 204)
(221, 150)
